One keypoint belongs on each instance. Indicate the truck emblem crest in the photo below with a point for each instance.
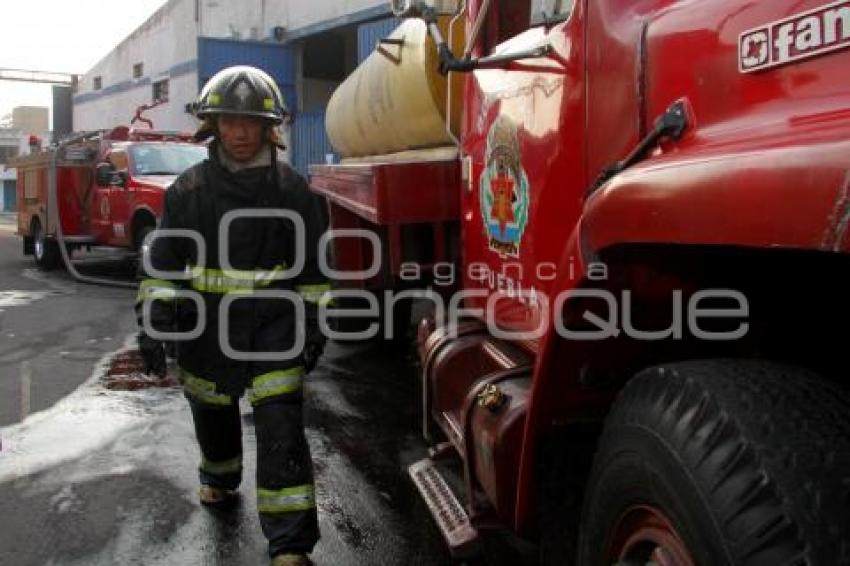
(802, 36)
(504, 190)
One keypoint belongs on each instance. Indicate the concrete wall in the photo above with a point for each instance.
(118, 108)
(167, 47)
(10, 141)
(237, 19)
(303, 13)
(19, 140)
(30, 119)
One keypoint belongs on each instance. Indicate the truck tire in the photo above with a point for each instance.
(138, 240)
(29, 245)
(561, 476)
(722, 462)
(45, 250)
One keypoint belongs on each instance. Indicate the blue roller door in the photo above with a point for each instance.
(9, 200)
(215, 54)
(309, 141)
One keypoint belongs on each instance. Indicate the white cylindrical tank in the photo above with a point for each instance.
(396, 100)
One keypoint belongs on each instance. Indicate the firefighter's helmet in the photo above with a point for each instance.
(241, 90)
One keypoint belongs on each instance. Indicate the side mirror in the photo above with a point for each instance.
(103, 174)
(415, 8)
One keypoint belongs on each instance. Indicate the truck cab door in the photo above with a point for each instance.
(100, 212)
(109, 204)
(119, 199)
(524, 142)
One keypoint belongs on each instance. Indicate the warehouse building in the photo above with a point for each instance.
(309, 47)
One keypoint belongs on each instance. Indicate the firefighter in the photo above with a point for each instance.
(240, 108)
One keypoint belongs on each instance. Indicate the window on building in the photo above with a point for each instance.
(160, 90)
(97, 83)
(7, 152)
(138, 70)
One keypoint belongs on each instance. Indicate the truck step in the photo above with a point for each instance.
(79, 240)
(454, 523)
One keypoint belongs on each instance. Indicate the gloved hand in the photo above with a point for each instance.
(153, 354)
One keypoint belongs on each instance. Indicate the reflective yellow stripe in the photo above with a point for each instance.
(287, 500)
(232, 280)
(275, 383)
(158, 289)
(318, 294)
(227, 467)
(203, 390)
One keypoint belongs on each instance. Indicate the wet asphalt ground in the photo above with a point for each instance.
(99, 476)
(53, 328)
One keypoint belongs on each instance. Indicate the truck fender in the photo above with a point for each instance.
(143, 215)
(744, 197)
(748, 197)
(558, 361)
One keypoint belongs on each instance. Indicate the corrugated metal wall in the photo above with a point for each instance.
(309, 138)
(369, 34)
(309, 141)
(214, 54)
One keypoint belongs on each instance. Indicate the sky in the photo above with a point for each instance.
(61, 36)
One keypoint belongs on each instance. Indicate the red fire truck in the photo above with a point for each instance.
(646, 207)
(98, 189)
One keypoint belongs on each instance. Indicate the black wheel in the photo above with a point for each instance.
(45, 250)
(721, 463)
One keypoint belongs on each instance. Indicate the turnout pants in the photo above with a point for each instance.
(285, 491)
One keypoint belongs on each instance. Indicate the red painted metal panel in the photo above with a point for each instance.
(524, 131)
(764, 165)
(765, 162)
(384, 197)
(72, 185)
(392, 193)
(791, 197)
